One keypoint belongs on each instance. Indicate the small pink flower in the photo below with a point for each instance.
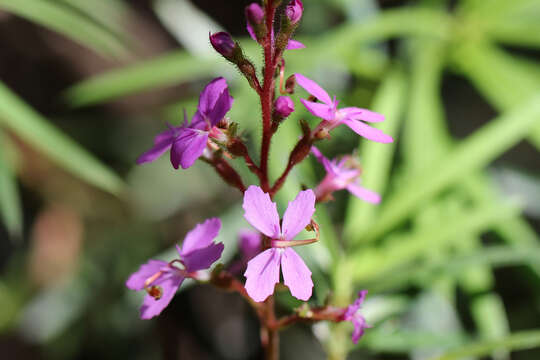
(342, 174)
(353, 315)
(263, 270)
(284, 106)
(327, 110)
(161, 279)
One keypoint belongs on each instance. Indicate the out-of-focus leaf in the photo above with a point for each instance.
(192, 31)
(10, 204)
(518, 341)
(403, 249)
(20, 118)
(59, 17)
(471, 154)
(490, 318)
(169, 69)
(377, 158)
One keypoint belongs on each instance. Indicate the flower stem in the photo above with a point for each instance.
(270, 332)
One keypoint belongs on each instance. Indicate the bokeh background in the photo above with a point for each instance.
(451, 257)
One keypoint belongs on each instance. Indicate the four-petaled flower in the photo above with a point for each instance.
(341, 174)
(161, 279)
(188, 142)
(353, 315)
(332, 116)
(263, 270)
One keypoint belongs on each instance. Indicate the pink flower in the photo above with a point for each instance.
(263, 270)
(353, 117)
(161, 279)
(294, 11)
(284, 106)
(353, 315)
(342, 174)
(187, 142)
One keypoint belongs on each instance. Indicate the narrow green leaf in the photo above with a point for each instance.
(10, 204)
(58, 17)
(169, 69)
(377, 158)
(474, 153)
(16, 115)
(518, 341)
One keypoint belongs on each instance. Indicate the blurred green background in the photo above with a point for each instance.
(451, 258)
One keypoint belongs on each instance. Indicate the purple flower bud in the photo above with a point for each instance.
(254, 14)
(284, 106)
(223, 43)
(294, 11)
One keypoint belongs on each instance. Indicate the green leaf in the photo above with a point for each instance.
(474, 153)
(38, 132)
(169, 69)
(62, 19)
(10, 204)
(377, 158)
(518, 341)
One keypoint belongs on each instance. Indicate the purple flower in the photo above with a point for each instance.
(253, 15)
(294, 11)
(332, 116)
(284, 106)
(223, 43)
(342, 174)
(353, 315)
(250, 244)
(188, 142)
(161, 279)
(263, 270)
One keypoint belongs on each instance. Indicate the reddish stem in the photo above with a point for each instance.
(267, 95)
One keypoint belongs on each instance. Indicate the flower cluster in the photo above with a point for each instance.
(211, 137)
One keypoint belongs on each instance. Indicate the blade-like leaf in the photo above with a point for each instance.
(10, 205)
(475, 152)
(60, 18)
(518, 341)
(38, 132)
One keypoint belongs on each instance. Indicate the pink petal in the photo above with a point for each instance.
(201, 236)
(362, 114)
(296, 275)
(188, 147)
(137, 280)
(262, 274)
(250, 244)
(298, 214)
(261, 212)
(156, 151)
(294, 45)
(203, 258)
(314, 89)
(221, 107)
(251, 32)
(210, 95)
(367, 131)
(364, 194)
(320, 110)
(152, 307)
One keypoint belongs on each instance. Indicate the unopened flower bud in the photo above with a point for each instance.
(294, 11)
(223, 43)
(254, 14)
(284, 107)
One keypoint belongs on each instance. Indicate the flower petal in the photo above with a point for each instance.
(294, 45)
(251, 32)
(202, 258)
(210, 94)
(298, 214)
(313, 88)
(367, 131)
(320, 110)
(162, 142)
(137, 280)
(220, 108)
(364, 194)
(152, 307)
(250, 244)
(296, 275)
(261, 212)
(262, 274)
(188, 147)
(359, 324)
(361, 114)
(200, 236)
